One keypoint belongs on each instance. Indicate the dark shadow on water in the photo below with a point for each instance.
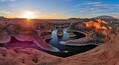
(78, 35)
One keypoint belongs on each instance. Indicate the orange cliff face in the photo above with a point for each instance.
(98, 26)
(97, 29)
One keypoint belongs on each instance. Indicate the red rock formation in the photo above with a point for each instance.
(105, 54)
(28, 56)
(27, 32)
(94, 30)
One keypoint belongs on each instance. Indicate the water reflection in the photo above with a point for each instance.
(66, 50)
(55, 41)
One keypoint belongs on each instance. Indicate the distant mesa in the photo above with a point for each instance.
(105, 17)
(2, 17)
(74, 19)
(101, 17)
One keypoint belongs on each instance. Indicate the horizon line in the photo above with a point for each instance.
(56, 18)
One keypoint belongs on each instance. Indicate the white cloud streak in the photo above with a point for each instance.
(6, 0)
(5, 12)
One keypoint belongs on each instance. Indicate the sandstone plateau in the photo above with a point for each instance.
(105, 54)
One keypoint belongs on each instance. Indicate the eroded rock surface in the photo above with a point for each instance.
(105, 54)
(30, 31)
(95, 30)
(26, 56)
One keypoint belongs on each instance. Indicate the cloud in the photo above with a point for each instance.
(67, 0)
(94, 9)
(6, 0)
(95, 3)
(6, 12)
(100, 6)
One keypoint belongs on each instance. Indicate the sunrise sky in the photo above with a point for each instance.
(58, 9)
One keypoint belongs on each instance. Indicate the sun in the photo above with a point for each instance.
(28, 15)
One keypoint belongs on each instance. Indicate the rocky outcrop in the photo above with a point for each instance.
(29, 32)
(60, 31)
(27, 56)
(94, 30)
(71, 34)
(105, 54)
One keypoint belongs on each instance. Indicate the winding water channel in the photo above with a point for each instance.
(66, 50)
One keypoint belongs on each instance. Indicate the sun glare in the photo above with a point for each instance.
(28, 15)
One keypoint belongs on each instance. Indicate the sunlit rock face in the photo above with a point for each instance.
(30, 31)
(95, 30)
